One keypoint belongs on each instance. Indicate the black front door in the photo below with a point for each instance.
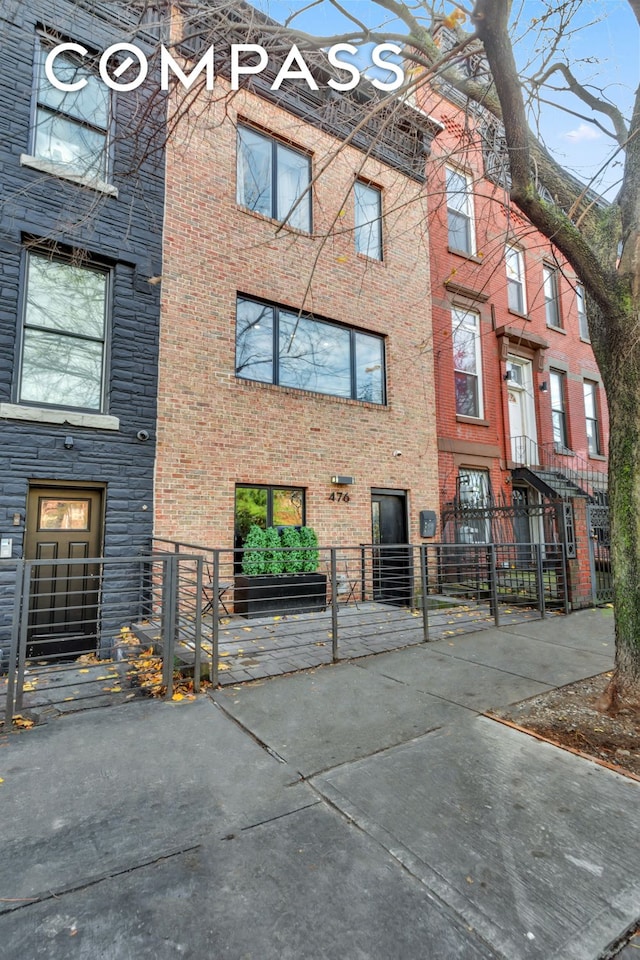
(64, 527)
(392, 568)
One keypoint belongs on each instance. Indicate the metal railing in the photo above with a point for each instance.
(577, 471)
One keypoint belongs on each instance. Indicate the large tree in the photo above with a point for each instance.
(600, 240)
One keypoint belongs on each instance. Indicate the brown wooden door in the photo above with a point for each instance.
(64, 526)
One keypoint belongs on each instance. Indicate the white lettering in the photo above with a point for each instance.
(237, 70)
(167, 61)
(140, 57)
(376, 56)
(48, 67)
(302, 73)
(334, 60)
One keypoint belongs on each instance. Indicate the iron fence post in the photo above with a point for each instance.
(24, 633)
(197, 656)
(565, 581)
(215, 624)
(493, 582)
(425, 587)
(18, 613)
(540, 580)
(334, 606)
(169, 609)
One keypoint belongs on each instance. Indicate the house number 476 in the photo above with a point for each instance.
(339, 497)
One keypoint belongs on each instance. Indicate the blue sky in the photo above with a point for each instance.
(605, 52)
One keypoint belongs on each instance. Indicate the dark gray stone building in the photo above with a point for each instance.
(81, 211)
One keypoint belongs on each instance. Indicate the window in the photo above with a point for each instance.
(63, 337)
(275, 345)
(368, 216)
(273, 179)
(591, 417)
(460, 212)
(267, 507)
(558, 415)
(467, 363)
(474, 494)
(551, 303)
(71, 129)
(515, 280)
(583, 326)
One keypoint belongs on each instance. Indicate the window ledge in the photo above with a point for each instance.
(563, 451)
(477, 421)
(598, 456)
(557, 329)
(16, 411)
(59, 170)
(522, 316)
(467, 256)
(278, 223)
(369, 259)
(584, 340)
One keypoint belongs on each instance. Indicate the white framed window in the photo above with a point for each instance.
(273, 179)
(583, 325)
(63, 334)
(558, 413)
(467, 363)
(551, 299)
(516, 291)
(591, 417)
(368, 219)
(71, 129)
(460, 211)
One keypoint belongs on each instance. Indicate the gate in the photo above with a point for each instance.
(600, 553)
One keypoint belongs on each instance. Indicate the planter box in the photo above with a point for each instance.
(271, 595)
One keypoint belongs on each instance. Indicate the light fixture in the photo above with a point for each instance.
(508, 375)
(544, 387)
(68, 443)
(342, 481)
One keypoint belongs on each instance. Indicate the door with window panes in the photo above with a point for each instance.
(522, 414)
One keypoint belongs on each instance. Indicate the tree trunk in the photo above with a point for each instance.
(623, 395)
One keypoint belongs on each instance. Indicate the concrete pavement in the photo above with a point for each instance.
(362, 811)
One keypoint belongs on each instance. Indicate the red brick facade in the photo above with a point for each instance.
(216, 430)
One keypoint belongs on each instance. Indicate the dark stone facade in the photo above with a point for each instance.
(124, 233)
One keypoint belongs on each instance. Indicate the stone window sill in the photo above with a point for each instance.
(59, 170)
(74, 418)
(477, 421)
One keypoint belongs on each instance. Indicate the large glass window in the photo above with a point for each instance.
(467, 363)
(368, 216)
(71, 128)
(583, 326)
(551, 301)
(273, 179)
(267, 506)
(515, 280)
(558, 414)
(460, 211)
(278, 346)
(591, 417)
(63, 334)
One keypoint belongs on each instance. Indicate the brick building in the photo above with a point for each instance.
(80, 236)
(296, 379)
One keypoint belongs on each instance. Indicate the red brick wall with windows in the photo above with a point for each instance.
(216, 430)
(479, 282)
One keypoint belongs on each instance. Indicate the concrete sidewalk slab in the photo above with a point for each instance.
(590, 630)
(303, 887)
(540, 659)
(535, 848)
(469, 684)
(328, 716)
(97, 792)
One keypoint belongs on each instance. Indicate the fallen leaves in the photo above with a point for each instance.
(23, 723)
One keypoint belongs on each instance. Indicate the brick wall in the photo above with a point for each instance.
(215, 430)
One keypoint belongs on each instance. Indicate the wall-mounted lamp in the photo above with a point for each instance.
(342, 480)
(544, 387)
(508, 375)
(68, 443)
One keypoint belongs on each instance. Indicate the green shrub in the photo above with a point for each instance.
(254, 557)
(310, 556)
(293, 558)
(274, 557)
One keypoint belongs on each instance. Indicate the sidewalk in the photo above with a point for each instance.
(362, 811)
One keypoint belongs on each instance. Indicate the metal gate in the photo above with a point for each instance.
(600, 553)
